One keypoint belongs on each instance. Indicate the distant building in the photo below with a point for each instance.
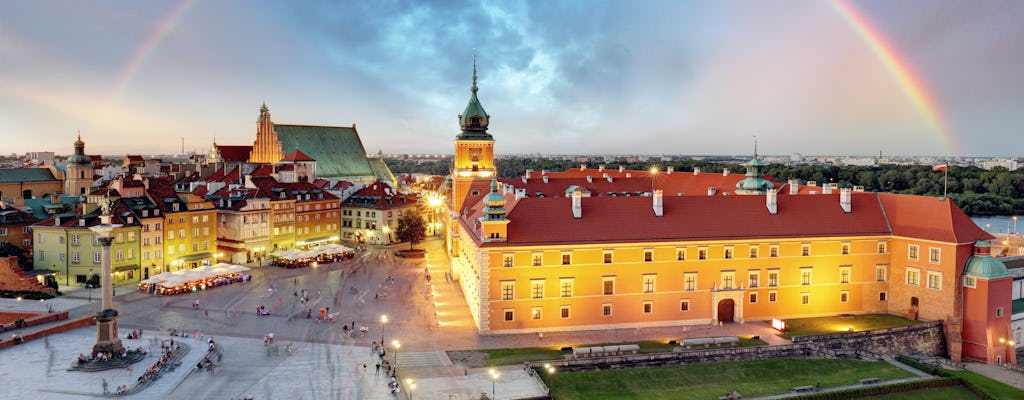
(335, 152)
(371, 214)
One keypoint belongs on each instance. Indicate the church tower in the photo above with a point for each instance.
(266, 149)
(79, 176)
(474, 148)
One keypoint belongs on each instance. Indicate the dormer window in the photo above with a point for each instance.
(474, 120)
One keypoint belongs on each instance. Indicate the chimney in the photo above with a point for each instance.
(600, 167)
(520, 193)
(696, 170)
(670, 170)
(543, 172)
(56, 220)
(590, 179)
(81, 222)
(725, 172)
(658, 210)
(583, 167)
(527, 176)
(622, 168)
(794, 186)
(577, 207)
(629, 175)
(826, 188)
(545, 177)
(712, 191)
(771, 201)
(844, 200)
(609, 177)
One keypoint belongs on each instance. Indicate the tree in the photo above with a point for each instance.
(411, 228)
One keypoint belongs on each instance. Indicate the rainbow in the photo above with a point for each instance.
(901, 70)
(145, 50)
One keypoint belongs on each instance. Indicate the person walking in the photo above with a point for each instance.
(378, 370)
(105, 386)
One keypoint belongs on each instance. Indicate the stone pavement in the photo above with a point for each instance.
(1009, 377)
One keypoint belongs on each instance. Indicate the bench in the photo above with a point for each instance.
(807, 388)
(868, 381)
(599, 351)
(707, 342)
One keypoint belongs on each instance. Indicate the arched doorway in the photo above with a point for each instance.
(726, 310)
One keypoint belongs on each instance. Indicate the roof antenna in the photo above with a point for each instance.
(755, 146)
(474, 70)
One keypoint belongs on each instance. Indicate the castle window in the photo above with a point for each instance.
(845, 248)
(648, 282)
(537, 288)
(773, 251)
(844, 274)
(880, 273)
(881, 247)
(506, 261)
(881, 296)
(535, 313)
(648, 255)
(684, 305)
(564, 310)
(753, 252)
(773, 278)
(680, 254)
(805, 250)
(753, 297)
(912, 252)
(648, 307)
(805, 276)
(773, 296)
(844, 296)
(728, 252)
(606, 310)
(537, 259)
(607, 257)
(805, 298)
(690, 281)
(934, 255)
(508, 289)
(608, 285)
(934, 280)
(913, 277)
(509, 314)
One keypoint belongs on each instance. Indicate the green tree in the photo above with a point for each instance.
(9, 250)
(411, 228)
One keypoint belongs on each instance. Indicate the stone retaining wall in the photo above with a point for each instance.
(926, 338)
(62, 327)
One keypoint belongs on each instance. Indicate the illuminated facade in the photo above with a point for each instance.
(591, 252)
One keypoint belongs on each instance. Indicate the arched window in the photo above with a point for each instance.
(81, 174)
(27, 194)
(81, 190)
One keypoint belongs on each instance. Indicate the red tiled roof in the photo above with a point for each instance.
(375, 196)
(297, 155)
(135, 158)
(263, 170)
(632, 219)
(638, 181)
(234, 153)
(930, 218)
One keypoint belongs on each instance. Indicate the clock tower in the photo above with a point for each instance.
(474, 149)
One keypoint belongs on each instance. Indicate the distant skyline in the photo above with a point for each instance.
(939, 78)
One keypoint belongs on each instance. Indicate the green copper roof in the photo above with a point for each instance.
(337, 150)
(494, 203)
(754, 183)
(985, 266)
(382, 172)
(474, 120)
(15, 175)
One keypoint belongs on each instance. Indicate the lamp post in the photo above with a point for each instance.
(1014, 224)
(494, 380)
(89, 285)
(383, 320)
(412, 386)
(386, 236)
(395, 359)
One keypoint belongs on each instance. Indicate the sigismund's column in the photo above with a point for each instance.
(107, 339)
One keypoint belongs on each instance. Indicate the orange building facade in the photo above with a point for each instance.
(563, 253)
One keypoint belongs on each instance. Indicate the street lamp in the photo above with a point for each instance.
(412, 386)
(89, 284)
(1014, 224)
(494, 379)
(397, 346)
(383, 320)
(386, 237)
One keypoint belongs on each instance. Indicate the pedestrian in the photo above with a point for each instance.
(105, 385)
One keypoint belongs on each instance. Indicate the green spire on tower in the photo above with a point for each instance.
(474, 119)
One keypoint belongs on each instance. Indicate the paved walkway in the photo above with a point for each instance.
(1009, 377)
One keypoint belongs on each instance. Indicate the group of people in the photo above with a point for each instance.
(183, 333)
(261, 310)
(18, 324)
(166, 362)
(134, 334)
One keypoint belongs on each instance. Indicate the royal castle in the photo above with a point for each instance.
(597, 248)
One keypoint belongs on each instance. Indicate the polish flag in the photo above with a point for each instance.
(940, 167)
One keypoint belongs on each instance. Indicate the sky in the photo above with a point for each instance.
(909, 77)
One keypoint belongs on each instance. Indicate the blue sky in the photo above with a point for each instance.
(652, 77)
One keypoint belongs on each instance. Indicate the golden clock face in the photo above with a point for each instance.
(474, 154)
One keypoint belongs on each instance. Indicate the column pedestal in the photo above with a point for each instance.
(107, 339)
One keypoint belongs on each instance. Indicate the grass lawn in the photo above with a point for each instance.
(706, 381)
(993, 387)
(518, 356)
(946, 393)
(820, 325)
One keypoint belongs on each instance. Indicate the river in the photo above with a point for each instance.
(998, 223)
